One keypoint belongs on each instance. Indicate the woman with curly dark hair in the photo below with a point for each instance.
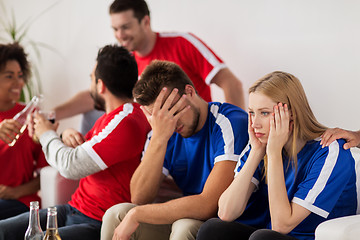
(19, 182)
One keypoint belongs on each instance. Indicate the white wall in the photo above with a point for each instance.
(317, 41)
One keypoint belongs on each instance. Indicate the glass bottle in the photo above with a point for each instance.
(51, 225)
(22, 115)
(34, 231)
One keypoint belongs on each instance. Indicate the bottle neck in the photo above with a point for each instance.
(52, 220)
(34, 217)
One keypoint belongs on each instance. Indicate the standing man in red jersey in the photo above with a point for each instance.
(131, 22)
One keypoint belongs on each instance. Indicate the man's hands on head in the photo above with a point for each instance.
(165, 113)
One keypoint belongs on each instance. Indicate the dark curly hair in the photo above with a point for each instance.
(14, 51)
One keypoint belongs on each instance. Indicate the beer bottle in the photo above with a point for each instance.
(34, 231)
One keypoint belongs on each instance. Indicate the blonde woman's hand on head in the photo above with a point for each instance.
(255, 143)
(279, 129)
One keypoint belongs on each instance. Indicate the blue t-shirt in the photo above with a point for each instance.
(324, 182)
(223, 137)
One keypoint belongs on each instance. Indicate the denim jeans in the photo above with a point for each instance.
(72, 224)
(214, 229)
(10, 208)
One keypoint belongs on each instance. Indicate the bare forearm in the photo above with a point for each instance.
(233, 201)
(280, 207)
(28, 188)
(235, 95)
(80, 103)
(194, 207)
(146, 180)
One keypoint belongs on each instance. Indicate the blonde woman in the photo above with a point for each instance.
(305, 183)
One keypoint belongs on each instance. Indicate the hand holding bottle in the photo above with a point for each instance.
(21, 117)
(41, 124)
(9, 128)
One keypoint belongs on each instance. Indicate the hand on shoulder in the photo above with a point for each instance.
(352, 137)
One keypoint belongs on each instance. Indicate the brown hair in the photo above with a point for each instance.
(139, 7)
(156, 76)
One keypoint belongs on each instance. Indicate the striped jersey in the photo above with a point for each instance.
(324, 183)
(197, 60)
(115, 144)
(223, 137)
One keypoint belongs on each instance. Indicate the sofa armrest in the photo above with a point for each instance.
(339, 229)
(54, 188)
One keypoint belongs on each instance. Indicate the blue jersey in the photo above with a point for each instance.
(223, 137)
(324, 182)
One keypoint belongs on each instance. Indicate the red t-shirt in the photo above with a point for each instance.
(197, 60)
(19, 162)
(115, 143)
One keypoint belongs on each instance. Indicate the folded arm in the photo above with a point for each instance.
(72, 163)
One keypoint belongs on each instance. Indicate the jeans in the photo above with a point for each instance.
(216, 229)
(72, 224)
(10, 208)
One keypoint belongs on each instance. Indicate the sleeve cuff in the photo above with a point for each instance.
(47, 136)
(311, 207)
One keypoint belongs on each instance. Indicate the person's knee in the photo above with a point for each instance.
(14, 227)
(112, 218)
(185, 229)
(262, 234)
(117, 212)
(209, 229)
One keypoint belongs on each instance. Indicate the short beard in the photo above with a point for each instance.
(195, 122)
(99, 102)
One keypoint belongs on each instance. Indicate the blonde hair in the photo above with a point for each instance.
(285, 88)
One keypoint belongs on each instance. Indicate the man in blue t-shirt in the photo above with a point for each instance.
(196, 142)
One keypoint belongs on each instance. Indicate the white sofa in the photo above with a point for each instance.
(55, 189)
(345, 228)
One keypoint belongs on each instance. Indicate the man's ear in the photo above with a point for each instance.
(190, 90)
(100, 87)
(146, 21)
